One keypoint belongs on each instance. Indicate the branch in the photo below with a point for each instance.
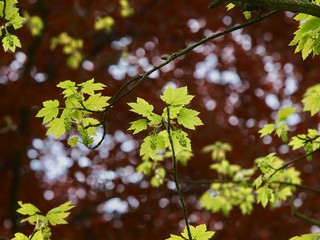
(295, 6)
(298, 214)
(139, 79)
(249, 182)
(175, 175)
(293, 161)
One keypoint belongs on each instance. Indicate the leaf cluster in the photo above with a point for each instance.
(81, 102)
(72, 47)
(198, 233)
(10, 13)
(42, 223)
(175, 115)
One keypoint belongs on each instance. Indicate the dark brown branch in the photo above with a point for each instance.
(295, 6)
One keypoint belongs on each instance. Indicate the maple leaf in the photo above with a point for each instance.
(176, 97)
(90, 86)
(188, 118)
(49, 111)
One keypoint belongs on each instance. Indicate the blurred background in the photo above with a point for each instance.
(239, 81)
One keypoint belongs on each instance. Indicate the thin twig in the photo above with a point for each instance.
(182, 52)
(140, 78)
(293, 161)
(298, 214)
(175, 175)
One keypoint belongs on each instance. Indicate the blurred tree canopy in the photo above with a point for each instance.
(240, 80)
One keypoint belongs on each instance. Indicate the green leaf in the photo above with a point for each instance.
(34, 219)
(138, 126)
(175, 237)
(38, 236)
(230, 6)
(96, 102)
(306, 37)
(69, 86)
(264, 195)
(176, 97)
(90, 122)
(266, 130)
(151, 145)
(158, 179)
(188, 118)
(90, 87)
(20, 236)
(141, 107)
(310, 236)
(56, 215)
(73, 142)
(10, 42)
(27, 209)
(56, 127)
(199, 232)
(49, 111)
(144, 167)
(105, 23)
(297, 141)
(311, 99)
(284, 113)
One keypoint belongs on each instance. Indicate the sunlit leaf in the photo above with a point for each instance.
(49, 111)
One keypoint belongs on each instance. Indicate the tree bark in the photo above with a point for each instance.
(296, 6)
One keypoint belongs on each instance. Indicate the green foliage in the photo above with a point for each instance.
(311, 236)
(198, 233)
(311, 99)
(34, 23)
(126, 10)
(105, 23)
(156, 146)
(42, 223)
(11, 16)
(71, 47)
(307, 37)
(218, 150)
(280, 126)
(81, 103)
(237, 188)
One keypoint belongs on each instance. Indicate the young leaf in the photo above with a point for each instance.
(266, 130)
(56, 127)
(49, 111)
(69, 88)
(138, 126)
(141, 107)
(90, 86)
(151, 145)
(73, 142)
(312, 99)
(284, 113)
(188, 118)
(96, 102)
(27, 209)
(20, 236)
(297, 141)
(198, 233)
(264, 195)
(38, 236)
(10, 42)
(176, 97)
(56, 215)
(310, 236)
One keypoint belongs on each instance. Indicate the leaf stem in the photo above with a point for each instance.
(175, 174)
